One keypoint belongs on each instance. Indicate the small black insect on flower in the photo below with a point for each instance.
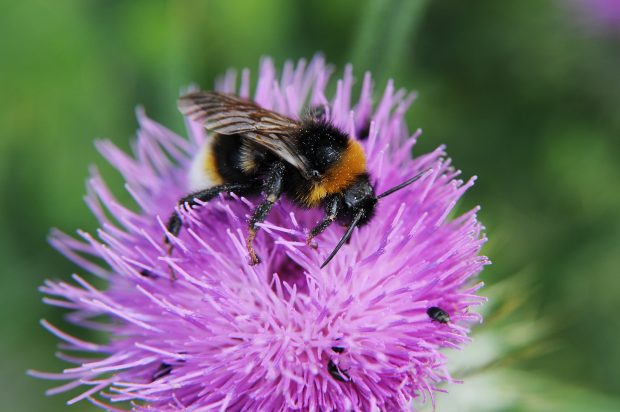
(147, 274)
(438, 314)
(337, 349)
(337, 373)
(163, 370)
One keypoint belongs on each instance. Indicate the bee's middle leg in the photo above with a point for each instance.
(332, 207)
(272, 189)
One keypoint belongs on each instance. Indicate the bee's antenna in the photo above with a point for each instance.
(346, 236)
(403, 184)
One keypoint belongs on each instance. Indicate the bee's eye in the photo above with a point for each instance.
(314, 174)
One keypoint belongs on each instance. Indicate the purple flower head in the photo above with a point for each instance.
(283, 334)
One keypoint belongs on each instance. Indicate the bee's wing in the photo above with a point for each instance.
(227, 115)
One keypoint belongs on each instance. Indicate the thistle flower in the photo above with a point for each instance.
(284, 334)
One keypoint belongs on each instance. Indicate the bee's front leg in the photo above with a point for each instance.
(272, 189)
(332, 207)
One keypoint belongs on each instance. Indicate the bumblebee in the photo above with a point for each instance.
(252, 150)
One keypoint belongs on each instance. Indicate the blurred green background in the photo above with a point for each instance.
(524, 93)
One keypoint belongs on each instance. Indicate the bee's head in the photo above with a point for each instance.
(358, 197)
(359, 205)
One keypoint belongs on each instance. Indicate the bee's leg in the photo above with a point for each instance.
(317, 113)
(272, 189)
(175, 223)
(332, 207)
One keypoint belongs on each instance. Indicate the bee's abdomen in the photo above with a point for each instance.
(203, 172)
(223, 159)
(227, 151)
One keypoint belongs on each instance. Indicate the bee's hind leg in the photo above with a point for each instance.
(332, 207)
(272, 189)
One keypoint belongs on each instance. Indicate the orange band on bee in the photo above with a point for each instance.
(210, 167)
(340, 175)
